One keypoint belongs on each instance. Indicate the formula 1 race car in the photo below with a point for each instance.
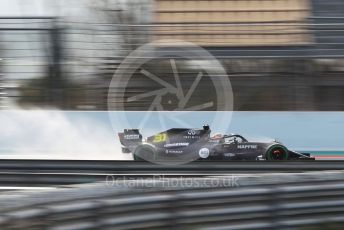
(183, 144)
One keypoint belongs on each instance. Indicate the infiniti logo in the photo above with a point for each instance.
(192, 132)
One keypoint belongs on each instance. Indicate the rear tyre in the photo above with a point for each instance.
(137, 158)
(144, 152)
(277, 152)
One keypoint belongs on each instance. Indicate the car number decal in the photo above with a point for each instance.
(160, 137)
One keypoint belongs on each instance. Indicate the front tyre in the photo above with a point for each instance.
(277, 152)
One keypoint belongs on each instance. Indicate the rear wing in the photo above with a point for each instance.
(130, 139)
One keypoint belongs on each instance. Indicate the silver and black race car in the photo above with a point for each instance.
(183, 144)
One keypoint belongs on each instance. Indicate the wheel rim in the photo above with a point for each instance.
(277, 153)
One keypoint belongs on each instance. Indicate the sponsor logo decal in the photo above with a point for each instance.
(173, 151)
(178, 144)
(229, 154)
(247, 146)
(192, 132)
(204, 152)
(131, 136)
(192, 137)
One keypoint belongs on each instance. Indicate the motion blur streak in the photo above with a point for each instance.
(298, 201)
(279, 54)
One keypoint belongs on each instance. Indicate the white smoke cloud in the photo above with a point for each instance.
(42, 134)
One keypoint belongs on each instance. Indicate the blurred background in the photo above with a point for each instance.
(279, 54)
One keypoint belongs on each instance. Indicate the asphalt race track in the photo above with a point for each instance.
(62, 172)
